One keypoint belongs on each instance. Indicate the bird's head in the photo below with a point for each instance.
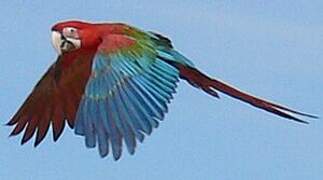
(73, 35)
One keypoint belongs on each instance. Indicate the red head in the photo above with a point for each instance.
(73, 35)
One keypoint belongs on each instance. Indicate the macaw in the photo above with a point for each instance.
(112, 83)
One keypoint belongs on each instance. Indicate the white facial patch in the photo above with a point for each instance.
(64, 44)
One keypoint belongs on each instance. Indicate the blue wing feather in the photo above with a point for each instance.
(79, 127)
(116, 137)
(127, 112)
(144, 92)
(104, 129)
(90, 138)
(140, 114)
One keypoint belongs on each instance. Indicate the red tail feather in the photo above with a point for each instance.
(209, 85)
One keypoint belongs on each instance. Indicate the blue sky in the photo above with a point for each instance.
(272, 49)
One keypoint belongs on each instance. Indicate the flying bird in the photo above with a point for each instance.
(112, 83)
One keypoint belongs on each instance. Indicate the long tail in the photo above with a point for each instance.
(209, 85)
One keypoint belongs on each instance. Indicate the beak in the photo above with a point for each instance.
(57, 41)
(64, 44)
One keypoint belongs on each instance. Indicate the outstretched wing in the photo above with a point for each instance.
(127, 92)
(54, 99)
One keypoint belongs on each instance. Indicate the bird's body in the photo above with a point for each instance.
(112, 83)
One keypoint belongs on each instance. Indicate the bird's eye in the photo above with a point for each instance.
(70, 32)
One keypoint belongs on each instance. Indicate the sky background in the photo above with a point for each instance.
(273, 49)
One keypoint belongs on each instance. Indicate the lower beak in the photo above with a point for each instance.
(57, 41)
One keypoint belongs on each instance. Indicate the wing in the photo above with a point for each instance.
(127, 92)
(54, 99)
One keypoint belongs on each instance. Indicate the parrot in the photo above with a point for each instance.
(112, 84)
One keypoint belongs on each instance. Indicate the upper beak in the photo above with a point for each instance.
(57, 41)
